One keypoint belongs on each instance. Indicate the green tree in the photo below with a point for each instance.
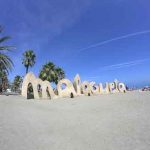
(17, 82)
(6, 63)
(28, 59)
(4, 81)
(60, 74)
(51, 73)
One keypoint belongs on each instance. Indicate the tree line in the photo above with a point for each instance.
(49, 71)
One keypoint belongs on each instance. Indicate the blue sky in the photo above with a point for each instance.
(68, 33)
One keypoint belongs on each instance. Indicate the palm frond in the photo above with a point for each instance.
(6, 48)
(6, 63)
(5, 38)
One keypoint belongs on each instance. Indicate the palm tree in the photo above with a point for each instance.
(51, 73)
(6, 63)
(4, 81)
(60, 74)
(48, 72)
(17, 82)
(28, 59)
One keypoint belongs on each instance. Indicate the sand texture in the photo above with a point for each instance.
(105, 122)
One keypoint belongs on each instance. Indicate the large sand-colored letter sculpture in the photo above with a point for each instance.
(104, 90)
(41, 89)
(86, 89)
(122, 87)
(94, 88)
(113, 87)
(65, 88)
(77, 84)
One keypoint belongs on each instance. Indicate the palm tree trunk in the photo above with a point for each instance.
(27, 68)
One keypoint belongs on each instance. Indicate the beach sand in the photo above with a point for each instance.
(104, 122)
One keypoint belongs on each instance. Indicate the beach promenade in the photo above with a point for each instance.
(105, 122)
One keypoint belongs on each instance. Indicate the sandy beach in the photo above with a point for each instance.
(104, 122)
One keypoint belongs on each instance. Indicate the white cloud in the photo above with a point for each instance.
(123, 65)
(119, 66)
(113, 39)
(47, 17)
